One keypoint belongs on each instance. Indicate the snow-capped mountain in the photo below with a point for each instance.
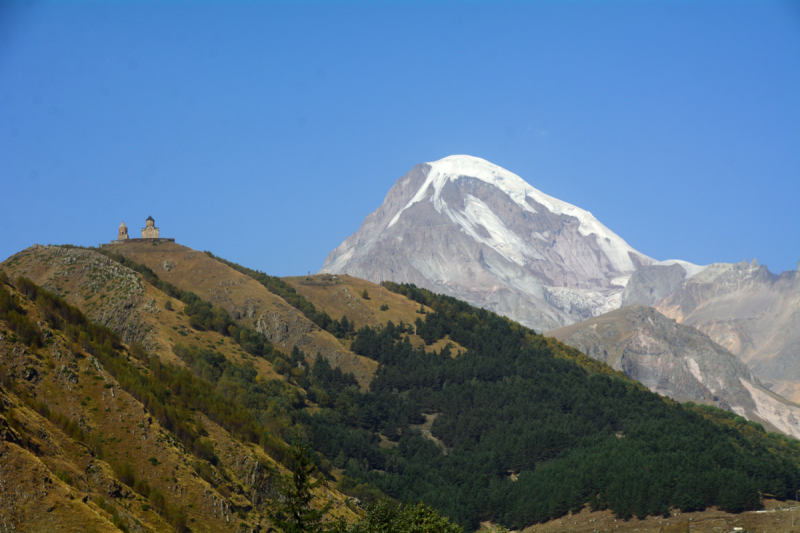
(466, 227)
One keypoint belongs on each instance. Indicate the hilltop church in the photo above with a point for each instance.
(150, 233)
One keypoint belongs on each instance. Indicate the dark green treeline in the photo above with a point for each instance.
(509, 408)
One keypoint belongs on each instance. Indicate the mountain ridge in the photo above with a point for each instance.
(750, 311)
(465, 227)
(471, 229)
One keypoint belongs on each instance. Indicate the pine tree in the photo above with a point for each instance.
(292, 512)
(384, 517)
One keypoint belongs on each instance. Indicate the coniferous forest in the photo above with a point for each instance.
(526, 434)
(526, 429)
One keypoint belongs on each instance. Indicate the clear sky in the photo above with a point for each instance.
(266, 132)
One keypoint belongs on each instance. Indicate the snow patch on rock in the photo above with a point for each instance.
(477, 214)
(691, 269)
(694, 368)
(586, 302)
(621, 281)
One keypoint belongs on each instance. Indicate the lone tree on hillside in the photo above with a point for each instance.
(387, 517)
(365, 294)
(292, 511)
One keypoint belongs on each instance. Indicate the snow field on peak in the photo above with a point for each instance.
(452, 167)
(621, 281)
(691, 269)
(504, 241)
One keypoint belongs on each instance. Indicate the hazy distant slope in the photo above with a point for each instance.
(750, 311)
(680, 362)
(468, 228)
(651, 283)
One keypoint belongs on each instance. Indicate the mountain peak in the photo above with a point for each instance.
(454, 167)
(472, 229)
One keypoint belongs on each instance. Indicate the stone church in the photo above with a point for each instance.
(149, 233)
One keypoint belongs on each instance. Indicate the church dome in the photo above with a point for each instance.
(122, 225)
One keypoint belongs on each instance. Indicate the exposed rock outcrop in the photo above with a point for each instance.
(750, 311)
(110, 294)
(680, 362)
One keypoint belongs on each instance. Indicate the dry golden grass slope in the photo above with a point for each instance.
(116, 297)
(54, 479)
(32, 497)
(777, 517)
(342, 295)
(247, 301)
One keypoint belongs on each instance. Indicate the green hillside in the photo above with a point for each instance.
(510, 427)
(528, 434)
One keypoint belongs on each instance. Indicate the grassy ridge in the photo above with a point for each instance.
(169, 393)
(339, 329)
(202, 314)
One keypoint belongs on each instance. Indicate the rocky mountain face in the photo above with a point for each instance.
(680, 362)
(750, 311)
(465, 227)
(651, 283)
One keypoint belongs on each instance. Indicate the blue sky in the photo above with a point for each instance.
(266, 132)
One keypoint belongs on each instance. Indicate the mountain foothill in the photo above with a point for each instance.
(146, 386)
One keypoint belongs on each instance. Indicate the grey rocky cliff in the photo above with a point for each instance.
(651, 283)
(750, 311)
(680, 362)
